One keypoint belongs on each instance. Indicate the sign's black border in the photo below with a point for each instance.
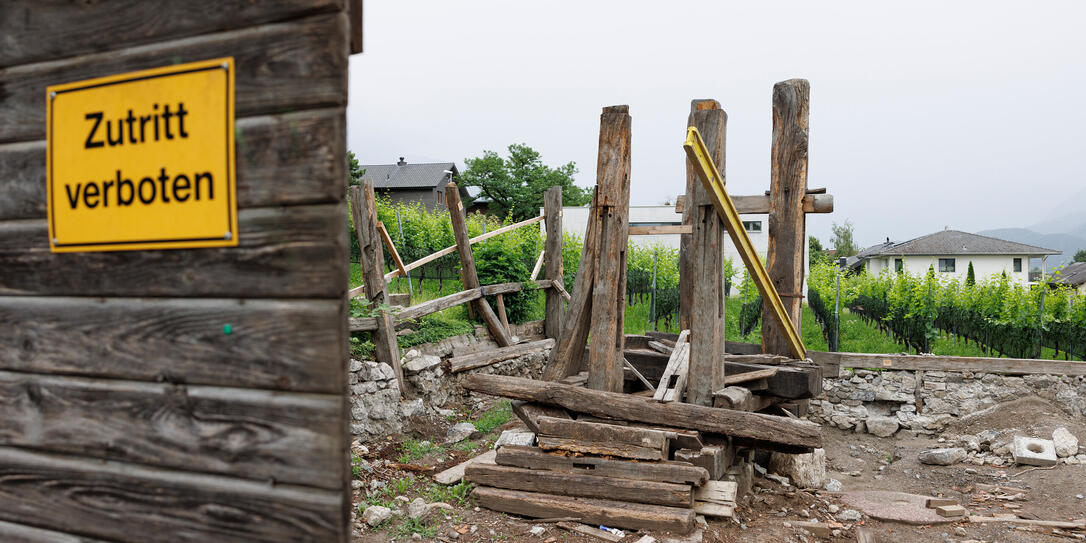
(229, 206)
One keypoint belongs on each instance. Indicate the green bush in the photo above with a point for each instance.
(510, 258)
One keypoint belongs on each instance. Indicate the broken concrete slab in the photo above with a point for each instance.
(942, 457)
(455, 474)
(895, 506)
(1031, 451)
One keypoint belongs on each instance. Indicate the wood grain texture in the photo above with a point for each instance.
(386, 347)
(665, 472)
(602, 439)
(125, 502)
(638, 409)
(552, 259)
(273, 344)
(705, 310)
(787, 223)
(290, 252)
(286, 159)
(581, 484)
(251, 434)
(18, 533)
(687, 274)
(468, 273)
(529, 413)
(34, 31)
(568, 355)
(595, 511)
(745, 204)
(612, 211)
(477, 360)
(279, 67)
(795, 381)
(354, 11)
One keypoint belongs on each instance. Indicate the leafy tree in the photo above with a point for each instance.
(843, 242)
(1080, 256)
(818, 254)
(515, 185)
(355, 171)
(970, 277)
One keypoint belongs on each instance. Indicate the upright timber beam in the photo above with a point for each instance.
(703, 308)
(364, 213)
(612, 210)
(787, 223)
(467, 265)
(552, 259)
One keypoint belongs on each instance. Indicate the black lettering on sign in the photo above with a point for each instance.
(97, 116)
(184, 187)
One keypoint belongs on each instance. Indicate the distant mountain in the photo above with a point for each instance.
(1068, 243)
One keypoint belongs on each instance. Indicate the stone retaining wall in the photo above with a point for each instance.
(925, 402)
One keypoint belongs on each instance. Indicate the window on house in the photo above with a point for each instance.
(1018, 265)
(439, 196)
(899, 266)
(946, 264)
(752, 226)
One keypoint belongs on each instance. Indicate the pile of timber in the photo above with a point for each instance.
(624, 460)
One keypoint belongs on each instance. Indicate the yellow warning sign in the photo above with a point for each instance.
(143, 160)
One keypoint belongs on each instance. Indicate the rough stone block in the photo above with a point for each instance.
(421, 363)
(515, 437)
(805, 470)
(882, 426)
(1031, 451)
(942, 457)
(1065, 443)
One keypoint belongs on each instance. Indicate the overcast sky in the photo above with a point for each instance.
(970, 115)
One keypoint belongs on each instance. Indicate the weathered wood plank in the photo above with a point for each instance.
(750, 376)
(609, 291)
(386, 348)
(272, 344)
(759, 204)
(609, 513)
(795, 381)
(1007, 366)
(437, 304)
(354, 11)
(391, 248)
(680, 438)
(552, 258)
(286, 159)
(658, 230)
(714, 458)
(34, 31)
(704, 311)
(486, 358)
(275, 257)
(529, 412)
(468, 274)
(581, 484)
(633, 408)
(568, 355)
(602, 439)
(279, 67)
(665, 471)
(127, 502)
(673, 381)
(18, 533)
(251, 434)
(787, 222)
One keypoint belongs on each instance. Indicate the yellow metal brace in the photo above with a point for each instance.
(714, 185)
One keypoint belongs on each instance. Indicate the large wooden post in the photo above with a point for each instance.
(552, 258)
(787, 223)
(364, 213)
(467, 265)
(612, 210)
(702, 307)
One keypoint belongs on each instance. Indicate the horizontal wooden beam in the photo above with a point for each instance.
(611, 513)
(250, 434)
(663, 229)
(665, 472)
(585, 484)
(639, 409)
(1007, 366)
(256, 343)
(812, 203)
(10, 531)
(291, 66)
(275, 256)
(78, 495)
(445, 302)
(486, 358)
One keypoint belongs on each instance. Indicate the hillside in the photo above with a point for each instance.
(1067, 243)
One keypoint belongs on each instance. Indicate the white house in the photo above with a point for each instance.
(950, 252)
(575, 219)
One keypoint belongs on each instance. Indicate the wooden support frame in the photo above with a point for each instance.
(698, 156)
(467, 264)
(391, 249)
(364, 213)
(552, 257)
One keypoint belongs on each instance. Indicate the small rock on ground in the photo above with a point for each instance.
(1065, 442)
(459, 432)
(942, 457)
(376, 514)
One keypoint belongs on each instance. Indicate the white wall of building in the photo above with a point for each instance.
(575, 219)
(984, 266)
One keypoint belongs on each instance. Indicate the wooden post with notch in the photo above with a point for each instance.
(612, 210)
(467, 265)
(703, 310)
(787, 222)
(552, 259)
(364, 213)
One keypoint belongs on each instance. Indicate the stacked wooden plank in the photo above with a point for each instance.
(622, 460)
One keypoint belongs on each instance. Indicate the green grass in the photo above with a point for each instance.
(409, 526)
(494, 417)
(456, 494)
(413, 450)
